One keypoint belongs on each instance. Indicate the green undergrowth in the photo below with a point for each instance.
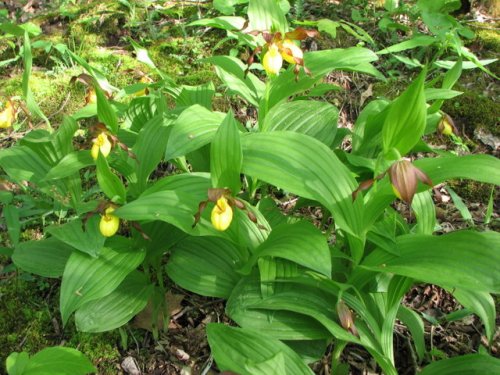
(30, 322)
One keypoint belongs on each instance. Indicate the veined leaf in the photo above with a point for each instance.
(280, 324)
(149, 150)
(249, 352)
(194, 128)
(466, 364)
(57, 360)
(28, 95)
(86, 279)
(89, 241)
(425, 212)
(226, 156)
(231, 71)
(405, 122)
(201, 95)
(464, 259)
(300, 242)
(45, 257)
(117, 308)
(105, 112)
(313, 118)
(306, 167)
(416, 326)
(206, 265)
(482, 304)
(70, 164)
(416, 41)
(110, 184)
(266, 15)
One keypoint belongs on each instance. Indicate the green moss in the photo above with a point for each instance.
(472, 110)
(487, 38)
(472, 191)
(29, 310)
(51, 92)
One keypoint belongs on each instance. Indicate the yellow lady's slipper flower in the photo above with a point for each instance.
(109, 223)
(222, 214)
(291, 52)
(446, 125)
(101, 143)
(272, 60)
(7, 116)
(144, 91)
(91, 97)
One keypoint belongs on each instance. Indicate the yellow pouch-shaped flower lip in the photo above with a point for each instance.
(272, 60)
(7, 116)
(109, 223)
(222, 214)
(102, 144)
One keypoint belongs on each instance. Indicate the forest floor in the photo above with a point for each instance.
(99, 31)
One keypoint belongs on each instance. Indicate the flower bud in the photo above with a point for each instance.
(404, 178)
(109, 223)
(272, 60)
(222, 214)
(346, 318)
(102, 144)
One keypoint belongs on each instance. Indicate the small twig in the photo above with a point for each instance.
(64, 104)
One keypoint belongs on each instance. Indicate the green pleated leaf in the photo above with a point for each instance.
(231, 71)
(482, 304)
(201, 94)
(23, 164)
(86, 278)
(16, 363)
(11, 216)
(280, 324)
(470, 364)
(482, 168)
(425, 212)
(266, 15)
(194, 184)
(249, 352)
(464, 259)
(109, 183)
(226, 156)
(405, 122)
(149, 150)
(316, 119)
(416, 41)
(416, 326)
(105, 112)
(45, 257)
(206, 265)
(58, 361)
(319, 63)
(169, 206)
(28, 94)
(304, 166)
(194, 128)
(117, 308)
(300, 242)
(69, 164)
(89, 241)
